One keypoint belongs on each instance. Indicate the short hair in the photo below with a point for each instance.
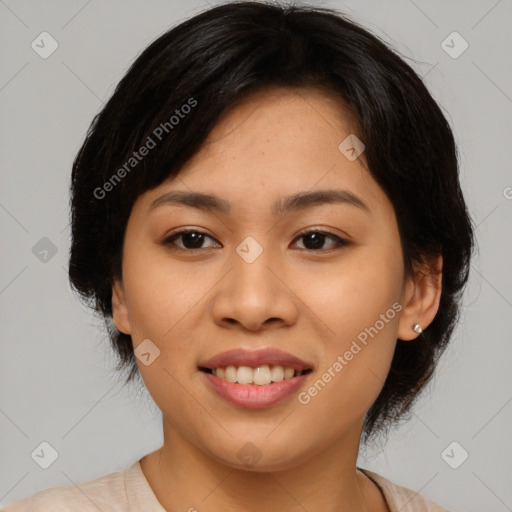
(215, 60)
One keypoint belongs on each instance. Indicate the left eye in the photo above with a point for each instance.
(316, 239)
(193, 239)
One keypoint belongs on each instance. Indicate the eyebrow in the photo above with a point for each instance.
(298, 201)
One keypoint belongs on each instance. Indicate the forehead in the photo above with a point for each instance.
(281, 117)
(275, 143)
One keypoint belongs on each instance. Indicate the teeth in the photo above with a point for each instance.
(289, 373)
(244, 375)
(260, 376)
(230, 375)
(277, 373)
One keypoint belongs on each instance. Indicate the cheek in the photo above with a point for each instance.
(353, 295)
(164, 304)
(160, 293)
(353, 369)
(361, 306)
(161, 308)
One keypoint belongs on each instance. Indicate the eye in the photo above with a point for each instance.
(315, 239)
(193, 239)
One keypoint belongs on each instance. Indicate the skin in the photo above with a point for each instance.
(194, 303)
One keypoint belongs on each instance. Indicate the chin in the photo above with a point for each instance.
(264, 465)
(263, 457)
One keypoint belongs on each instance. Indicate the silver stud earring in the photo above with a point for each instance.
(417, 328)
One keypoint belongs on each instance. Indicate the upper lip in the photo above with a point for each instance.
(255, 358)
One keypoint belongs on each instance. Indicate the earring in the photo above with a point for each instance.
(417, 328)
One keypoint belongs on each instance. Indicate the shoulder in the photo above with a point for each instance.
(401, 498)
(106, 493)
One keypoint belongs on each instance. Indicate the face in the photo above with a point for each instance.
(303, 304)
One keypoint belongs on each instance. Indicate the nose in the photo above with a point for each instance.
(255, 295)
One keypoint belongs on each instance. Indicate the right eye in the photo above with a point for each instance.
(192, 238)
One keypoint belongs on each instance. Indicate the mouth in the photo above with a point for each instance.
(255, 379)
(262, 375)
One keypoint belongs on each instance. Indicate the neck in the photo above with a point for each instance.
(184, 477)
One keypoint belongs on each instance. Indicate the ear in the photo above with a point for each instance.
(119, 309)
(422, 293)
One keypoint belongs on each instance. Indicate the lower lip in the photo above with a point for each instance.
(252, 396)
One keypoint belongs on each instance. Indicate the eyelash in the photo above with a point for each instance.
(169, 241)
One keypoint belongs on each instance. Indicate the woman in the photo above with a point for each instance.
(268, 215)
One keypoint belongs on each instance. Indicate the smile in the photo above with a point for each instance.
(260, 376)
(255, 379)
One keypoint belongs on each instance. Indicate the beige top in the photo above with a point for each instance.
(129, 491)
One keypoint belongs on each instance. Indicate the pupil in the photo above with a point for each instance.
(196, 240)
(317, 240)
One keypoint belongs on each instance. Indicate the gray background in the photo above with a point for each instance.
(56, 370)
